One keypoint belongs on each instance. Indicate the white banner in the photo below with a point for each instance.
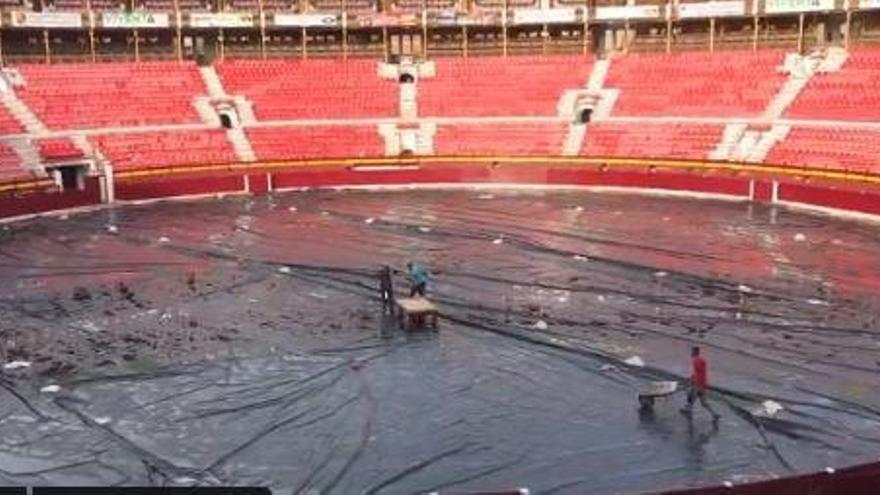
(134, 20)
(869, 4)
(545, 16)
(630, 12)
(306, 20)
(789, 6)
(47, 19)
(226, 20)
(711, 9)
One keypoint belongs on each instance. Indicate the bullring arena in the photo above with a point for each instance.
(197, 197)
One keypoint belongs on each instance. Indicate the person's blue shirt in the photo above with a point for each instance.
(418, 274)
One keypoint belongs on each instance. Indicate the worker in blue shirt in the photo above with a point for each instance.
(418, 279)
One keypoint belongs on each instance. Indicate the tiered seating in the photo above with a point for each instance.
(417, 5)
(489, 86)
(500, 139)
(278, 4)
(311, 89)
(103, 4)
(194, 5)
(57, 149)
(10, 165)
(651, 140)
(857, 150)
(72, 5)
(499, 4)
(68, 96)
(10, 3)
(159, 5)
(350, 5)
(853, 93)
(278, 143)
(165, 148)
(8, 123)
(730, 84)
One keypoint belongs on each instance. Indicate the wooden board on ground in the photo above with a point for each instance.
(414, 312)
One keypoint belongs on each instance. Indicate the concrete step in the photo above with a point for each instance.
(23, 114)
(212, 82)
(574, 140)
(242, 146)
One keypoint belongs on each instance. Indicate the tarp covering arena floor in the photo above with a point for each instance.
(240, 341)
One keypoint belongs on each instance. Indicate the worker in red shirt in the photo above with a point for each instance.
(699, 385)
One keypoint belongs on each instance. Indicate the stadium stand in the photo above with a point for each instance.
(651, 140)
(311, 89)
(275, 143)
(735, 84)
(417, 5)
(350, 5)
(839, 148)
(165, 148)
(499, 4)
(8, 123)
(511, 139)
(853, 93)
(57, 149)
(492, 86)
(10, 165)
(78, 96)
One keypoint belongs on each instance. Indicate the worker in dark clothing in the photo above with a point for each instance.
(418, 279)
(699, 385)
(386, 290)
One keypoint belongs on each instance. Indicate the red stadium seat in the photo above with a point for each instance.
(853, 93)
(165, 148)
(503, 139)
(837, 148)
(276, 143)
(651, 140)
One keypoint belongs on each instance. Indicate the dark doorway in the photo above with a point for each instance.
(406, 78)
(226, 120)
(584, 115)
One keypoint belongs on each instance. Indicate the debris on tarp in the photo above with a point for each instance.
(498, 240)
(660, 274)
(540, 325)
(424, 229)
(486, 196)
(14, 365)
(768, 409)
(817, 302)
(283, 269)
(800, 237)
(102, 420)
(112, 229)
(580, 258)
(164, 240)
(292, 208)
(634, 361)
(370, 220)
(744, 288)
(607, 367)
(50, 389)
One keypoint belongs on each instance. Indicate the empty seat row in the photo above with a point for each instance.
(164, 148)
(57, 149)
(535, 139)
(837, 148)
(651, 140)
(11, 168)
(853, 93)
(278, 143)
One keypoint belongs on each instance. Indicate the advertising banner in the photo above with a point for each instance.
(379, 20)
(630, 12)
(711, 9)
(869, 4)
(792, 6)
(131, 20)
(546, 16)
(226, 20)
(306, 20)
(47, 19)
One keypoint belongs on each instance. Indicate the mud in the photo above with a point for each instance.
(240, 341)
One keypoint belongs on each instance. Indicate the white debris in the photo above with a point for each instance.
(112, 229)
(634, 361)
(325, 212)
(601, 298)
(817, 302)
(607, 367)
(253, 301)
(800, 237)
(164, 240)
(660, 274)
(424, 229)
(580, 258)
(292, 208)
(578, 208)
(498, 241)
(369, 220)
(102, 420)
(50, 389)
(728, 484)
(540, 325)
(744, 288)
(283, 269)
(666, 219)
(14, 365)
(836, 242)
(829, 470)
(771, 407)
(486, 196)
(318, 295)
(562, 299)
(63, 217)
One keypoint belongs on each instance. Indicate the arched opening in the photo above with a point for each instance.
(70, 177)
(584, 115)
(225, 120)
(406, 78)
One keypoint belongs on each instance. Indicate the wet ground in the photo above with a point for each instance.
(240, 341)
